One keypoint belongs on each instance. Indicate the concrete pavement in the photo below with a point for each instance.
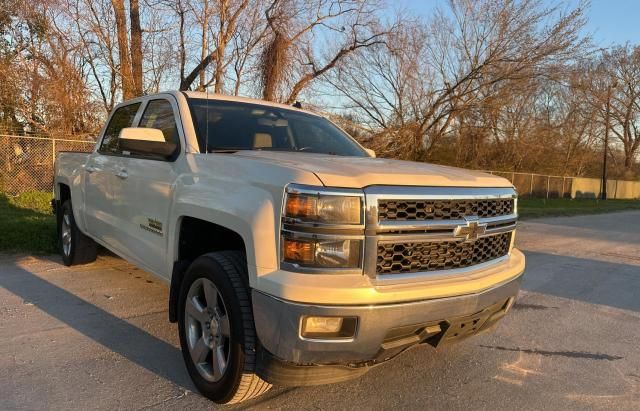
(97, 337)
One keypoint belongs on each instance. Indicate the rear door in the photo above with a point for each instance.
(148, 189)
(101, 179)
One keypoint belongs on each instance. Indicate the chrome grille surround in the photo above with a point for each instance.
(442, 235)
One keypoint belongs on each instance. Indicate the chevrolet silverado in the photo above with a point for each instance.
(293, 256)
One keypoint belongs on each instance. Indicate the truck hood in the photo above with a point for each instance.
(359, 172)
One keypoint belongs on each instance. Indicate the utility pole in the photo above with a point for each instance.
(607, 115)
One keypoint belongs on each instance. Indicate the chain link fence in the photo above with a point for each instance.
(531, 185)
(26, 162)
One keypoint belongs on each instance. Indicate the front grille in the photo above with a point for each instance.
(421, 210)
(412, 257)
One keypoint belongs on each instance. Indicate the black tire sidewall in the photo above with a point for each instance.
(224, 389)
(67, 208)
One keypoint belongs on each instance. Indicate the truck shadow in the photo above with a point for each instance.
(115, 334)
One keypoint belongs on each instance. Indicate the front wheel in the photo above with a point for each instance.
(217, 332)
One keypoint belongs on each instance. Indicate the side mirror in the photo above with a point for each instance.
(371, 152)
(146, 142)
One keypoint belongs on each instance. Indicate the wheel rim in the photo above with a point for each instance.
(66, 234)
(207, 329)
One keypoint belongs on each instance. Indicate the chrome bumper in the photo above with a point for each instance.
(383, 330)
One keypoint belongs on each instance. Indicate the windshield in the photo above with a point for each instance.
(231, 126)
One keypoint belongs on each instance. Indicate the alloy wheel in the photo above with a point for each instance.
(66, 234)
(207, 329)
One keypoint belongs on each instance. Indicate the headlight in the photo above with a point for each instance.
(311, 251)
(322, 208)
(323, 229)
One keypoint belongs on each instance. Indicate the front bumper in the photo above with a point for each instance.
(383, 330)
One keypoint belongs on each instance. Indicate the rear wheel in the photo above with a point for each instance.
(217, 332)
(75, 247)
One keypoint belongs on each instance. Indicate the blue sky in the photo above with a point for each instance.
(609, 21)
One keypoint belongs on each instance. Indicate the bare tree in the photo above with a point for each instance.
(129, 51)
(228, 13)
(246, 41)
(50, 76)
(622, 66)
(464, 60)
(93, 28)
(128, 88)
(503, 84)
(136, 47)
(291, 59)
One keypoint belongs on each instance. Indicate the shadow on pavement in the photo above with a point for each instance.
(592, 281)
(112, 332)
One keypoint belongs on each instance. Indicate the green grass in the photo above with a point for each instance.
(531, 208)
(27, 224)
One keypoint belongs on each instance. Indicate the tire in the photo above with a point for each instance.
(75, 247)
(219, 329)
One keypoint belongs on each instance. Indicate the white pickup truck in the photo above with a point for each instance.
(293, 255)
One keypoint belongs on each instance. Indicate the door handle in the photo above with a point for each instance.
(122, 174)
(89, 169)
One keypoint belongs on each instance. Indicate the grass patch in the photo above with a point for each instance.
(531, 208)
(27, 224)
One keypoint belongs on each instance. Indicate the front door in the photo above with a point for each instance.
(148, 191)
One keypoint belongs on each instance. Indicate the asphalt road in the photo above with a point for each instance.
(97, 337)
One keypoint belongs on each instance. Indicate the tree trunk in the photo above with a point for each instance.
(221, 46)
(123, 50)
(183, 53)
(628, 161)
(136, 47)
(219, 81)
(204, 50)
(272, 65)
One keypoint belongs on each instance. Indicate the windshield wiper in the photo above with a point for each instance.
(225, 149)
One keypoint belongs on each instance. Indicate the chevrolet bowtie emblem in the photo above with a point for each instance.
(471, 231)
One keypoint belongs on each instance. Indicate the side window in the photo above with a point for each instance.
(123, 117)
(159, 115)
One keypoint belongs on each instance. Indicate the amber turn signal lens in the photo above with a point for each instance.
(299, 251)
(300, 206)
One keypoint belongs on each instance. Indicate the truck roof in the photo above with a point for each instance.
(223, 97)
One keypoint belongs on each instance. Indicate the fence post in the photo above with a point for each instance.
(548, 181)
(53, 154)
(563, 179)
(531, 188)
(53, 162)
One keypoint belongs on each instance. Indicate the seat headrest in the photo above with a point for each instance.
(262, 140)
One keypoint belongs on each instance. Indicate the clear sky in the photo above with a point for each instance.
(609, 21)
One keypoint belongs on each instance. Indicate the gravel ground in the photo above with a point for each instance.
(97, 337)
